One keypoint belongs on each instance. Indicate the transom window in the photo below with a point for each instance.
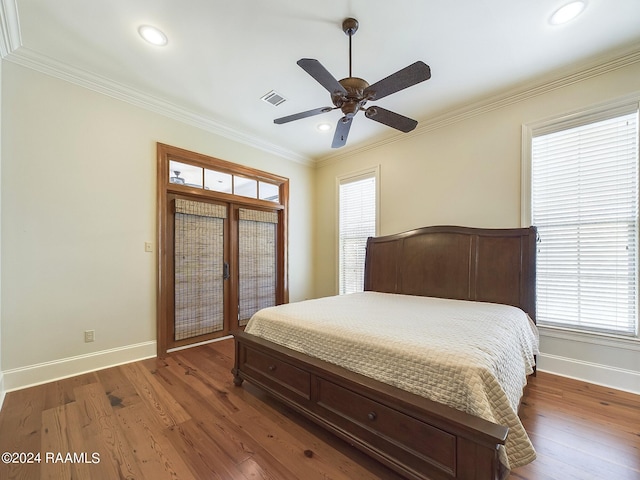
(219, 181)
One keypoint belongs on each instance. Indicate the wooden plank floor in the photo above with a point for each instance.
(182, 418)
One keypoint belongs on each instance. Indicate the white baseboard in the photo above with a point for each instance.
(617, 378)
(31, 375)
(23, 377)
(2, 389)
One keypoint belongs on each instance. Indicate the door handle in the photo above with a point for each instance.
(225, 271)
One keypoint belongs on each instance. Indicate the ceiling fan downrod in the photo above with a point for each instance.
(350, 27)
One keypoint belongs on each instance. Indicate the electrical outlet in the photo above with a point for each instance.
(89, 336)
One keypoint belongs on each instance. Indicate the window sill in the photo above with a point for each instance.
(608, 340)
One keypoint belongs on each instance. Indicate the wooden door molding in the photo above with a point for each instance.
(167, 190)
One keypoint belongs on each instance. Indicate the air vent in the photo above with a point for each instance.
(274, 98)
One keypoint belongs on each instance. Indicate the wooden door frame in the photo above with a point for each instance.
(164, 280)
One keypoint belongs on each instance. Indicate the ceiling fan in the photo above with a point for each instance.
(352, 93)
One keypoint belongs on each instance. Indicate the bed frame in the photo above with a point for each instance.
(418, 438)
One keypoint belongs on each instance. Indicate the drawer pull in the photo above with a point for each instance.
(271, 368)
(372, 416)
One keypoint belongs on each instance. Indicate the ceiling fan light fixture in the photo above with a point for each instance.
(567, 12)
(153, 35)
(324, 127)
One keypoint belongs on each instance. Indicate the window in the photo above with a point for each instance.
(181, 173)
(584, 202)
(357, 220)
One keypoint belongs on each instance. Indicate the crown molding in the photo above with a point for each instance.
(10, 38)
(600, 65)
(36, 61)
(11, 49)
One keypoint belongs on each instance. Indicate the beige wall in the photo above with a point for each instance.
(468, 173)
(78, 203)
(464, 173)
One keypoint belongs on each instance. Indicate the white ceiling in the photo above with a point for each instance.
(223, 56)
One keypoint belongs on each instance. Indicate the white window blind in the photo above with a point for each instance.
(584, 202)
(357, 222)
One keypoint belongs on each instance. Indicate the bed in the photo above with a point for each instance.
(453, 273)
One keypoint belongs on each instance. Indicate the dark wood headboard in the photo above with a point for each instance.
(487, 265)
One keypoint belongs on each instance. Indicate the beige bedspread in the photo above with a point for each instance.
(472, 356)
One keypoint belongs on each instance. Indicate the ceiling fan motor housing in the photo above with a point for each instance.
(355, 99)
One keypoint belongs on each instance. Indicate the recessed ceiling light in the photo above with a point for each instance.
(152, 35)
(567, 13)
(324, 127)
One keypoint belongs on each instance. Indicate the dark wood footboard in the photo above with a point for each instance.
(418, 438)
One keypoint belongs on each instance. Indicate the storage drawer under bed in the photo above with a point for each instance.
(386, 428)
(280, 376)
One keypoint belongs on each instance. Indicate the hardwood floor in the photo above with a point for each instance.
(182, 418)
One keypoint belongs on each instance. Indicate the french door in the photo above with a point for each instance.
(200, 264)
(221, 254)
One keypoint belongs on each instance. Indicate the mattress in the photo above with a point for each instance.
(472, 356)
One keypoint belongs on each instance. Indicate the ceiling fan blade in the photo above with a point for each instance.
(322, 75)
(391, 119)
(407, 77)
(298, 116)
(342, 132)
